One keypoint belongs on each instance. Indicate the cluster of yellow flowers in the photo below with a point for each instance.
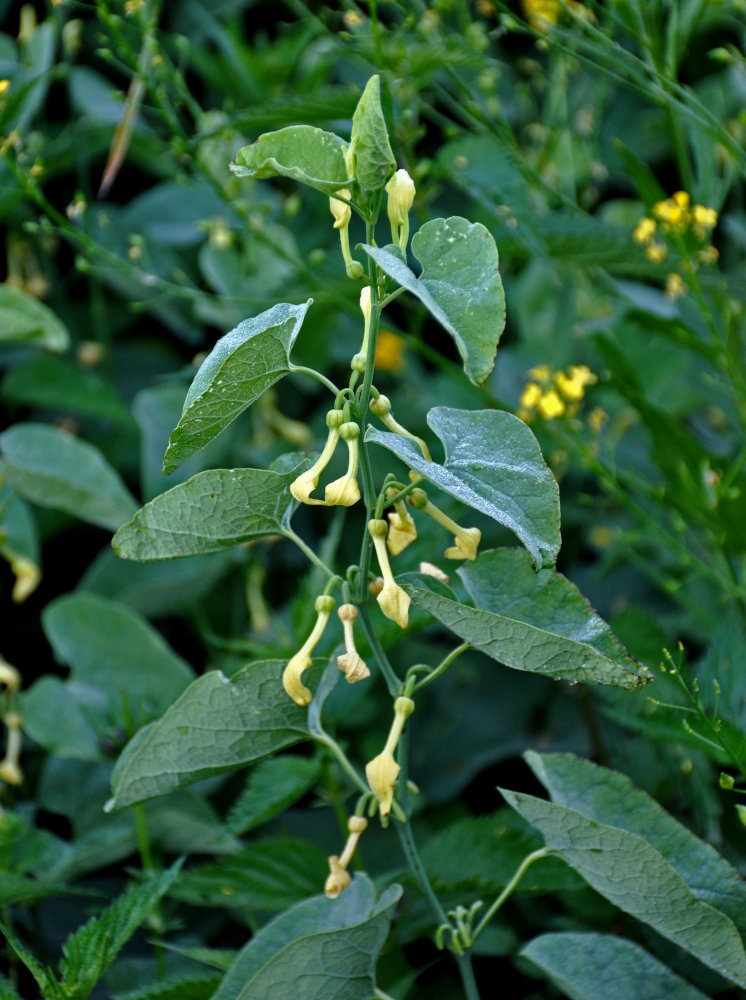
(676, 216)
(554, 394)
(542, 14)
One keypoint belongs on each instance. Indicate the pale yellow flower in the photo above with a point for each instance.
(298, 664)
(550, 405)
(344, 492)
(644, 231)
(350, 662)
(302, 487)
(381, 774)
(28, 578)
(401, 191)
(392, 600)
(337, 880)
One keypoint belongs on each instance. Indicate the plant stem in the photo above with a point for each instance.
(412, 855)
(392, 681)
(319, 376)
(318, 563)
(443, 665)
(343, 761)
(509, 888)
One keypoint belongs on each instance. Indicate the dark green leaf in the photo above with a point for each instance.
(273, 785)
(54, 469)
(459, 285)
(633, 875)
(25, 319)
(307, 154)
(536, 621)
(59, 716)
(53, 384)
(211, 511)
(94, 946)
(374, 160)
(269, 875)
(609, 797)
(600, 967)
(217, 725)
(493, 463)
(320, 949)
(195, 986)
(238, 370)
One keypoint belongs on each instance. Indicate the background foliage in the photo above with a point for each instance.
(130, 248)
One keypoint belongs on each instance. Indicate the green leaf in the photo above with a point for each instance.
(320, 949)
(50, 383)
(89, 952)
(268, 875)
(494, 464)
(24, 319)
(239, 369)
(114, 650)
(632, 874)
(52, 468)
(58, 716)
(211, 511)
(217, 725)
(273, 785)
(195, 986)
(609, 797)
(44, 977)
(530, 638)
(600, 966)
(538, 622)
(21, 889)
(374, 160)
(305, 153)
(18, 535)
(459, 285)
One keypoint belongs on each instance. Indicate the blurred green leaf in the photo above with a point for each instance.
(273, 785)
(52, 468)
(190, 986)
(459, 285)
(211, 511)
(493, 463)
(52, 384)
(374, 160)
(24, 319)
(599, 966)
(217, 725)
(238, 370)
(307, 154)
(325, 946)
(268, 875)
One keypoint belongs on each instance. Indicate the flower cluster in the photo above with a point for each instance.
(542, 14)
(553, 394)
(675, 220)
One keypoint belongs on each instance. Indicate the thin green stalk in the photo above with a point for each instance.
(318, 563)
(443, 666)
(343, 761)
(509, 888)
(406, 838)
(301, 369)
(392, 681)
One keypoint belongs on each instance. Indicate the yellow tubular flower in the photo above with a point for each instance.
(401, 192)
(337, 880)
(466, 540)
(298, 664)
(351, 663)
(342, 214)
(10, 770)
(402, 529)
(28, 578)
(344, 492)
(382, 771)
(306, 483)
(392, 600)
(9, 676)
(382, 409)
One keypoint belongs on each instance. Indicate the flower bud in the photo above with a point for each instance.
(298, 664)
(401, 192)
(381, 774)
(337, 880)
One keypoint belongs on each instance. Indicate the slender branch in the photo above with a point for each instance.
(444, 665)
(509, 888)
(343, 761)
(318, 563)
(392, 681)
(301, 369)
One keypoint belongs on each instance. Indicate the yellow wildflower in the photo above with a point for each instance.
(530, 396)
(675, 286)
(707, 218)
(541, 373)
(656, 252)
(644, 231)
(4, 87)
(572, 386)
(389, 352)
(344, 492)
(550, 405)
(708, 255)
(541, 14)
(382, 771)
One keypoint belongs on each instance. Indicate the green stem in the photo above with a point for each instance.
(509, 888)
(301, 369)
(411, 853)
(392, 681)
(318, 563)
(343, 761)
(444, 665)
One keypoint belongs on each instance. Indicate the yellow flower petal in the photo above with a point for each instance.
(381, 773)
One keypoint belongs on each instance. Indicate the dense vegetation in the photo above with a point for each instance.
(197, 800)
